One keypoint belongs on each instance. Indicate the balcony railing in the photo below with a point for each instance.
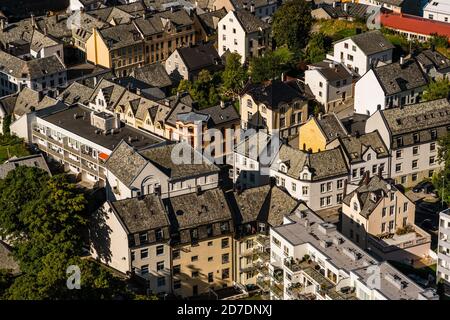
(263, 284)
(277, 290)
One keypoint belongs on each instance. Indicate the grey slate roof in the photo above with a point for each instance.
(376, 186)
(335, 73)
(112, 92)
(154, 75)
(28, 99)
(356, 146)
(249, 22)
(415, 117)
(32, 69)
(331, 126)
(39, 40)
(273, 93)
(198, 57)
(371, 42)
(429, 58)
(125, 163)
(140, 215)
(210, 19)
(264, 204)
(395, 78)
(221, 114)
(324, 164)
(7, 103)
(28, 161)
(162, 157)
(355, 10)
(192, 210)
(239, 4)
(119, 36)
(76, 93)
(156, 23)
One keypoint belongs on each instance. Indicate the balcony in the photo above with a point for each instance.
(263, 241)
(263, 284)
(263, 255)
(404, 238)
(278, 275)
(277, 290)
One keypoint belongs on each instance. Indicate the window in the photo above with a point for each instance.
(369, 157)
(340, 184)
(391, 210)
(398, 167)
(225, 273)
(346, 45)
(403, 179)
(361, 171)
(416, 137)
(354, 48)
(194, 274)
(398, 153)
(432, 160)
(355, 206)
(276, 242)
(432, 146)
(329, 186)
(322, 202)
(225, 243)
(159, 250)
(399, 141)
(294, 187)
(382, 167)
(392, 196)
(430, 173)
(414, 164)
(433, 134)
(133, 256)
(374, 169)
(194, 258)
(144, 253)
(144, 269)
(210, 243)
(234, 30)
(176, 269)
(176, 254)
(210, 259)
(391, 224)
(383, 227)
(339, 197)
(210, 277)
(322, 187)
(414, 177)
(320, 84)
(405, 206)
(160, 266)
(143, 237)
(349, 57)
(354, 173)
(225, 258)
(304, 191)
(177, 284)
(383, 213)
(161, 281)
(415, 150)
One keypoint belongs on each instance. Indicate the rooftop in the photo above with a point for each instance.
(6, 260)
(199, 57)
(37, 160)
(154, 75)
(249, 22)
(331, 126)
(371, 42)
(429, 58)
(76, 119)
(332, 71)
(76, 93)
(356, 146)
(439, 6)
(396, 77)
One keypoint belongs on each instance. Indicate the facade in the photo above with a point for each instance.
(279, 107)
(361, 52)
(380, 218)
(437, 10)
(263, 9)
(318, 179)
(242, 32)
(79, 139)
(158, 170)
(443, 263)
(186, 63)
(411, 134)
(43, 74)
(317, 133)
(389, 86)
(365, 154)
(311, 260)
(392, 5)
(145, 40)
(330, 82)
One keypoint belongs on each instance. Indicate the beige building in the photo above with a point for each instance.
(274, 106)
(380, 218)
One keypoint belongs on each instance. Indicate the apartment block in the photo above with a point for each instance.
(443, 263)
(311, 260)
(411, 134)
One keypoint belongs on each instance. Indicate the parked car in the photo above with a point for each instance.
(424, 186)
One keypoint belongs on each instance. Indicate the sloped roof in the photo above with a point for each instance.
(371, 42)
(249, 22)
(203, 56)
(154, 75)
(356, 146)
(76, 93)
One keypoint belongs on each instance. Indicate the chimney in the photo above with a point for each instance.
(252, 7)
(402, 60)
(33, 21)
(331, 65)
(244, 6)
(319, 116)
(222, 104)
(283, 77)
(3, 24)
(334, 4)
(345, 7)
(45, 29)
(366, 178)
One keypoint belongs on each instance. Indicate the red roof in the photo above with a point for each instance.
(415, 24)
(103, 156)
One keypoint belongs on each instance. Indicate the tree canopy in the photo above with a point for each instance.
(292, 23)
(441, 180)
(437, 90)
(234, 76)
(203, 89)
(318, 46)
(271, 65)
(45, 219)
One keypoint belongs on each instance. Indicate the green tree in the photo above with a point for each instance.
(441, 180)
(6, 125)
(437, 90)
(318, 45)
(234, 76)
(438, 41)
(292, 23)
(203, 90)
(271, 65)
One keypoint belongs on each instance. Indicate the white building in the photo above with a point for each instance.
(44, 74)
(362, 51)
(411, 134)
(437, 10)
(86, 5)
(330, 82)
(443, 263)
(311, 260)
(135, 240)
(318, 178)
(389, 86)
(393, 5)
(240, 31)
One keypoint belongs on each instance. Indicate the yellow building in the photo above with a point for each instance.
(318, 132)
(149, 39)
(201, 242)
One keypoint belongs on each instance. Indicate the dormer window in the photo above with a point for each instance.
(305, 176)
(369, 157)
(283, 168)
